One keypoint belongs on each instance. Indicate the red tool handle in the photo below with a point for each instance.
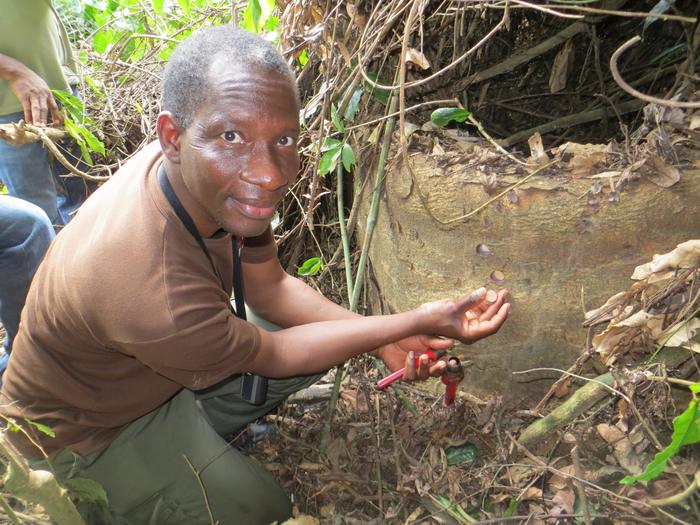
(452, 376)
(395, 376)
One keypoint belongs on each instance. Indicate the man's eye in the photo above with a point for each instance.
(231, 136)
(287, 141)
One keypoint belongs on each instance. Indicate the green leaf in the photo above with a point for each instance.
(336, 119)
(348, 157)
(461, 454)
(303, 58)
(329, 160)
(74, 132)
(271, 24)
(512, 508)
(695, 388)
(329, 144)
(158, 6)
(70, 103)
(42, 428)
(86, 490)
(184, 5)
(686, 431)
(443, 116)
(310, 267)
(258, 14)
(353, 105)
(12, 425)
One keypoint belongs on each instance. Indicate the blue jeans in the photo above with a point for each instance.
(25, 234)
(28, 174)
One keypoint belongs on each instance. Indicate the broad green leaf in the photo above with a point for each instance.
(348, 157)
(92, 141)
(42, 428)
(461, 454)
(353, 105)
(329, 160)
(695, 388)
(329, 144)
(257, 15)
(310, 267)
(158, 6)
(336, 119)
(70, 103)
(443, 116)
(74, 132)
(686, 431)
(87, 490)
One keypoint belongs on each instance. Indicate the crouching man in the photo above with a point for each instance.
(128, 347)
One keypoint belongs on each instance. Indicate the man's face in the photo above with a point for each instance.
(239, 155)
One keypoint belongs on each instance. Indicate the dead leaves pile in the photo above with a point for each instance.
(659, 309)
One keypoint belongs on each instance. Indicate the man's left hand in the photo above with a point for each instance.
(403, 353)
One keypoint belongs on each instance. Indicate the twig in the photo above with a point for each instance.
(494, 143)
(377, 426)
(579, 486)
(202, 488)
(629, 89)
(521, 181)
(9, 510)
(679, 498)
(340, 192)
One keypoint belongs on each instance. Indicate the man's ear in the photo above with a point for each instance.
(169, 134)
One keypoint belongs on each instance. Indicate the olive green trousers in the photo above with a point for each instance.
(173, 467)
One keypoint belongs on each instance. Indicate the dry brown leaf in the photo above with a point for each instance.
(437, 148)
(558, 481)
(531, 493)
(560, 68)
(416, 57)
(681, 335)
(564, 499)
(685, 255)
(661, 173)
(581, 159)
(537, 153)
(302, 520)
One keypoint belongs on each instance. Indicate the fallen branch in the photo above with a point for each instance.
(585, 398)
(571, 120)
(37, 486)
(21, 133)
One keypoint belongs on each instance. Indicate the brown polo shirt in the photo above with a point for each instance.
(125, 311)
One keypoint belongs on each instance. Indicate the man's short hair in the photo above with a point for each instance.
(184, 83)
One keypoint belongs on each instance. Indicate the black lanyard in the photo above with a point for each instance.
(187, 221)
(253, 387)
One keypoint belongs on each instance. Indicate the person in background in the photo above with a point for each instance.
(25, 235)
(36, 57)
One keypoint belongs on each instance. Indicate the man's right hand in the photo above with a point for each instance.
(34, 94)
(468, 318)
